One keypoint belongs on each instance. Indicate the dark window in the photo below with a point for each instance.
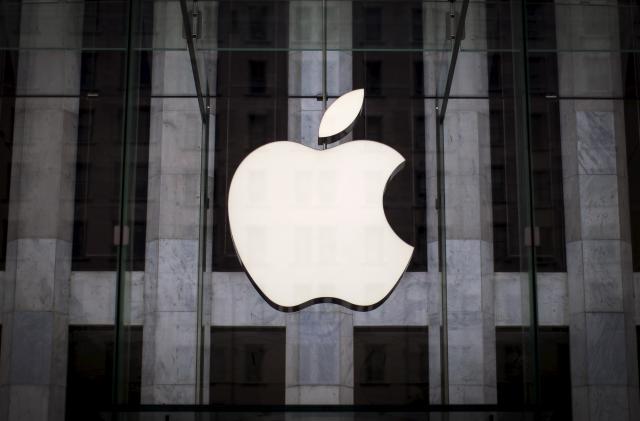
(257, 77)
(373, 77)
(104, 26)
(416, 26)
(418, 78)
(247, 366)
(90, 369)
(629, 41)
(514, 369)
(541, 26)
(246, 24)
(387, 24)
(101, 122)
(394, 112)
(244, 122)
(391, 365)
(9, 35)
(373, 23)
(546, 158)
(258, 28)
(374, 126)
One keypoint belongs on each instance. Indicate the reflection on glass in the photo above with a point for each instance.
(75, 89)
(545, 143)
(90, 369)
(394, 109)
(100, 139)
(630, 66)
(555, 369)
(390, 365)
(251, 105)
(247, 366)
(8, 66)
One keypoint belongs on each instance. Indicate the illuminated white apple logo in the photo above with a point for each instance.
(309, 225)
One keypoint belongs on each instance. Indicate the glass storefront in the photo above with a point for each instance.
(123, 122)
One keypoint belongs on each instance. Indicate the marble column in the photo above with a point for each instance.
(33, 367)
(319, 356)
(171, 269)
(604, 374)
(469, 233)
(319, 360)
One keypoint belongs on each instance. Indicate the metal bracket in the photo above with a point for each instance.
(452, 20)
(196, 24)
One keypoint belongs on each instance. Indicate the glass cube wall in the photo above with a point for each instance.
(122, 123)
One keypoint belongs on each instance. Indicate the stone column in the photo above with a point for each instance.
(604, 374)
(319, 365)
(469, 233)
(319, 360)
(33, 368)
(171, 270)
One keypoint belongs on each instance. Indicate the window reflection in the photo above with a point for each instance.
(251, 101)
(8, 81)
(546, 159)
(246, 24)
(100, 140)
(247, 366)
(514, 380)
(90, 369)
(630, 65)
(394, 109)
(390, 365)
(8, 64)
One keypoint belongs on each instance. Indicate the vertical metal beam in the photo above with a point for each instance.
(130, 101)
(440, 115)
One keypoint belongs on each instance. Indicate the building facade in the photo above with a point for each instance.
(122, 123)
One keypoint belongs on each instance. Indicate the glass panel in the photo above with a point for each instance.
(122, 124)
(9, 39)
(267, 70)
(169, 301)
(136, 179)
(390, 365)
(74, 86)
(449, 36)
(90, 368)
(394, 112)
(555, 376)
(484, 101)
(247, 366)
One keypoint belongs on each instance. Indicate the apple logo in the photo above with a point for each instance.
(308, 225)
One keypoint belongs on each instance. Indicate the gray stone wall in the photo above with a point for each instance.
(171, 270)
(599, 270)
(35, 308)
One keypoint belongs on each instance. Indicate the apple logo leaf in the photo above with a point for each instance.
(338, 119)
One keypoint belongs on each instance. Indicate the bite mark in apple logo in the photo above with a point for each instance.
(308, 225)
